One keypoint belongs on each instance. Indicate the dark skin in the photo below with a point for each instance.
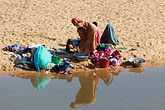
(81, 30)
(75, 23)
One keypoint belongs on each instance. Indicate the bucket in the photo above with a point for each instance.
(104, 63)
(55, 60)
(64, 66)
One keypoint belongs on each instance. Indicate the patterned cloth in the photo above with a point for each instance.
(13, 48)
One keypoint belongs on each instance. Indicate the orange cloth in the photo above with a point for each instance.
(88, 36)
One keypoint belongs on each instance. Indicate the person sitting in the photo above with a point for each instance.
(88, 35)
(109, 36)
(98, 32)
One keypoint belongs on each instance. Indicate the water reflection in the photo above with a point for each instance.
(137, 69)
(89, 82)
(86, 94)
(106, 76)
(128, 89)
(128, 65)
(40, 81)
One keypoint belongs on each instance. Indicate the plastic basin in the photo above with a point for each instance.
(136, 61)
(81, 57)
(64, 66)
(55, 60)
(104, 63)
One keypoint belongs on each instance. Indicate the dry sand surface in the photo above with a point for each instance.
(41, 21)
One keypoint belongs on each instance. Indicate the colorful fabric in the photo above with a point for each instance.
(94, 59)
(13, 48)
(116, 54)
(98, 54)
(70, 47)
(107, 53)
(115, 62)
(104, 47)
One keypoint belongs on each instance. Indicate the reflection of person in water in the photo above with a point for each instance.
(89, 83)
(86, 94)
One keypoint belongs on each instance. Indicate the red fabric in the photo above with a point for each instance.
(76, 20)
(107, 53)
(98, 54)
(98, 36)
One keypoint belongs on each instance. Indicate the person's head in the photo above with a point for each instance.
(73, 105)
(75, 21)
(95, 23)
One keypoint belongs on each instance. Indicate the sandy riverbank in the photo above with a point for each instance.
(49, 22)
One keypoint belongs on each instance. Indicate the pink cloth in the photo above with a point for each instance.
(101, 54)
(107, 53)
(97, 54)
(115, 62)
(116, 54)
(98, 35)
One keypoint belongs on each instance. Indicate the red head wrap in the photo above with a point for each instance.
(76, 20)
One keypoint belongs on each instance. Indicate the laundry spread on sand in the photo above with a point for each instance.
(36, 56)
(39, 58)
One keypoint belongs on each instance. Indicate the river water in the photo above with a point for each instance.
(129, 89)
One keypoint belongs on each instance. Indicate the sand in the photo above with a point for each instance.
(48, 22)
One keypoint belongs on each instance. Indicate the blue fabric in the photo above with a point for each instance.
(109, 36)
(76, 41)
(41, 58)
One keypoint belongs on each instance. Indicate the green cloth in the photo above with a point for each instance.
(101, 47)
(122, 48)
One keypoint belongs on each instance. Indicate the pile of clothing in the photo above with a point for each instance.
(72, 45)
(38, 57)
(106, 51)
(13, 48)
